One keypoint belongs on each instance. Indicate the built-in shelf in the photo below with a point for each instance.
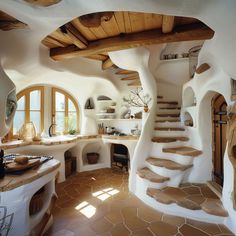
(176, 59)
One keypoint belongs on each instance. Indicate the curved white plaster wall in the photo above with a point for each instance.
(137, 59)
(21, 50)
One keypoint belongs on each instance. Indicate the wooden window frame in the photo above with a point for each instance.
(26, 92)
(66, 112)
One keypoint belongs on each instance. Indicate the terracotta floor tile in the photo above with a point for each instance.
(188, 230)
(199, 199)
(163, 229)
(63, 233)
(206, 227)
(224, 229)
(101, 226)
(173, 220)
(185, 203)
(149, 214)
(129, 212)
(121, 214)
(206, 192)
(175, 193)
(135, 224)
(191, 190)
(120, 230)
(114, 217)
(144, 232)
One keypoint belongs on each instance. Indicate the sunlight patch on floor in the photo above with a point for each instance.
(105, 193)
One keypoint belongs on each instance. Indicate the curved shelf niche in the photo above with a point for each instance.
(189, 98)
(188, 120)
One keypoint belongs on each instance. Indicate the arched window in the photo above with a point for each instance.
(65, 112)
(30, 108)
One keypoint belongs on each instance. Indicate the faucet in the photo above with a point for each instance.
(50, 130)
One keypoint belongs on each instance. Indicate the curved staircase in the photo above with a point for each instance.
(162, 181)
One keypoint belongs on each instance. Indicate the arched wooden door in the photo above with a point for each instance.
(219, 109)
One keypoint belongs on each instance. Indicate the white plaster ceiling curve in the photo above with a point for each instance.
(44, 20)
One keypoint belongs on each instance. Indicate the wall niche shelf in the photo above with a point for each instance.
(176, 59)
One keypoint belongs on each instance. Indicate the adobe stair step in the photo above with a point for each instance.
(168, 164)
(191, 196)
(159, 97)
(146, 173)
(183, 150)
(169, 108)
(167, 120)
(168, 102)
(169, 139)
(169, 129)
(169, 115)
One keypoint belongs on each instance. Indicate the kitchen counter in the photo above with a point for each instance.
(65, 139)
(125, 137)
(55, 140)
(13, 181)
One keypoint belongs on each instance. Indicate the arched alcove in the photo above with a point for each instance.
(188, 120)
(189, 98)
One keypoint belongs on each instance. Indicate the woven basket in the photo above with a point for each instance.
(92, 157)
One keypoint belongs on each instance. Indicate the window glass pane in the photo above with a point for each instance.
(35, 118)
(60, 121)
(60, 102)
(72, 121)
(19, 120)
(71, 106)
(21, 103)
(35, 100)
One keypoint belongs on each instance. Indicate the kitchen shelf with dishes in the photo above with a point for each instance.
(106, 109)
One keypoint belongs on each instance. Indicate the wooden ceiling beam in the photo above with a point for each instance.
(99, 57)
(168, 23)
(133, 77)
(107, 64)
(51, 42)
(75, 36)
(197, 31)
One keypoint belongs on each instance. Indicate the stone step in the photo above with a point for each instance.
(183, 150)
(168, 102)
(190, 196)
(169, 129)
(167, 120)
(168, 164)
(169, 139)
(146, 173)
(168, 115)
(169, 108)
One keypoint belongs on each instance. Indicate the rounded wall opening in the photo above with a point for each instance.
(120, 156)
(188, 120)
(92, 154)
(189, 98)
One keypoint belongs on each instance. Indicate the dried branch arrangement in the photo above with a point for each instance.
(136, 98)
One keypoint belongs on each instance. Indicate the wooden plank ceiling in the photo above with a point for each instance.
(8, 22)
(94, 35)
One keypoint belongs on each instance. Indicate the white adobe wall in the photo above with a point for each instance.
(205, 86)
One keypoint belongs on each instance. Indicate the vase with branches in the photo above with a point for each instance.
(136, 98)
